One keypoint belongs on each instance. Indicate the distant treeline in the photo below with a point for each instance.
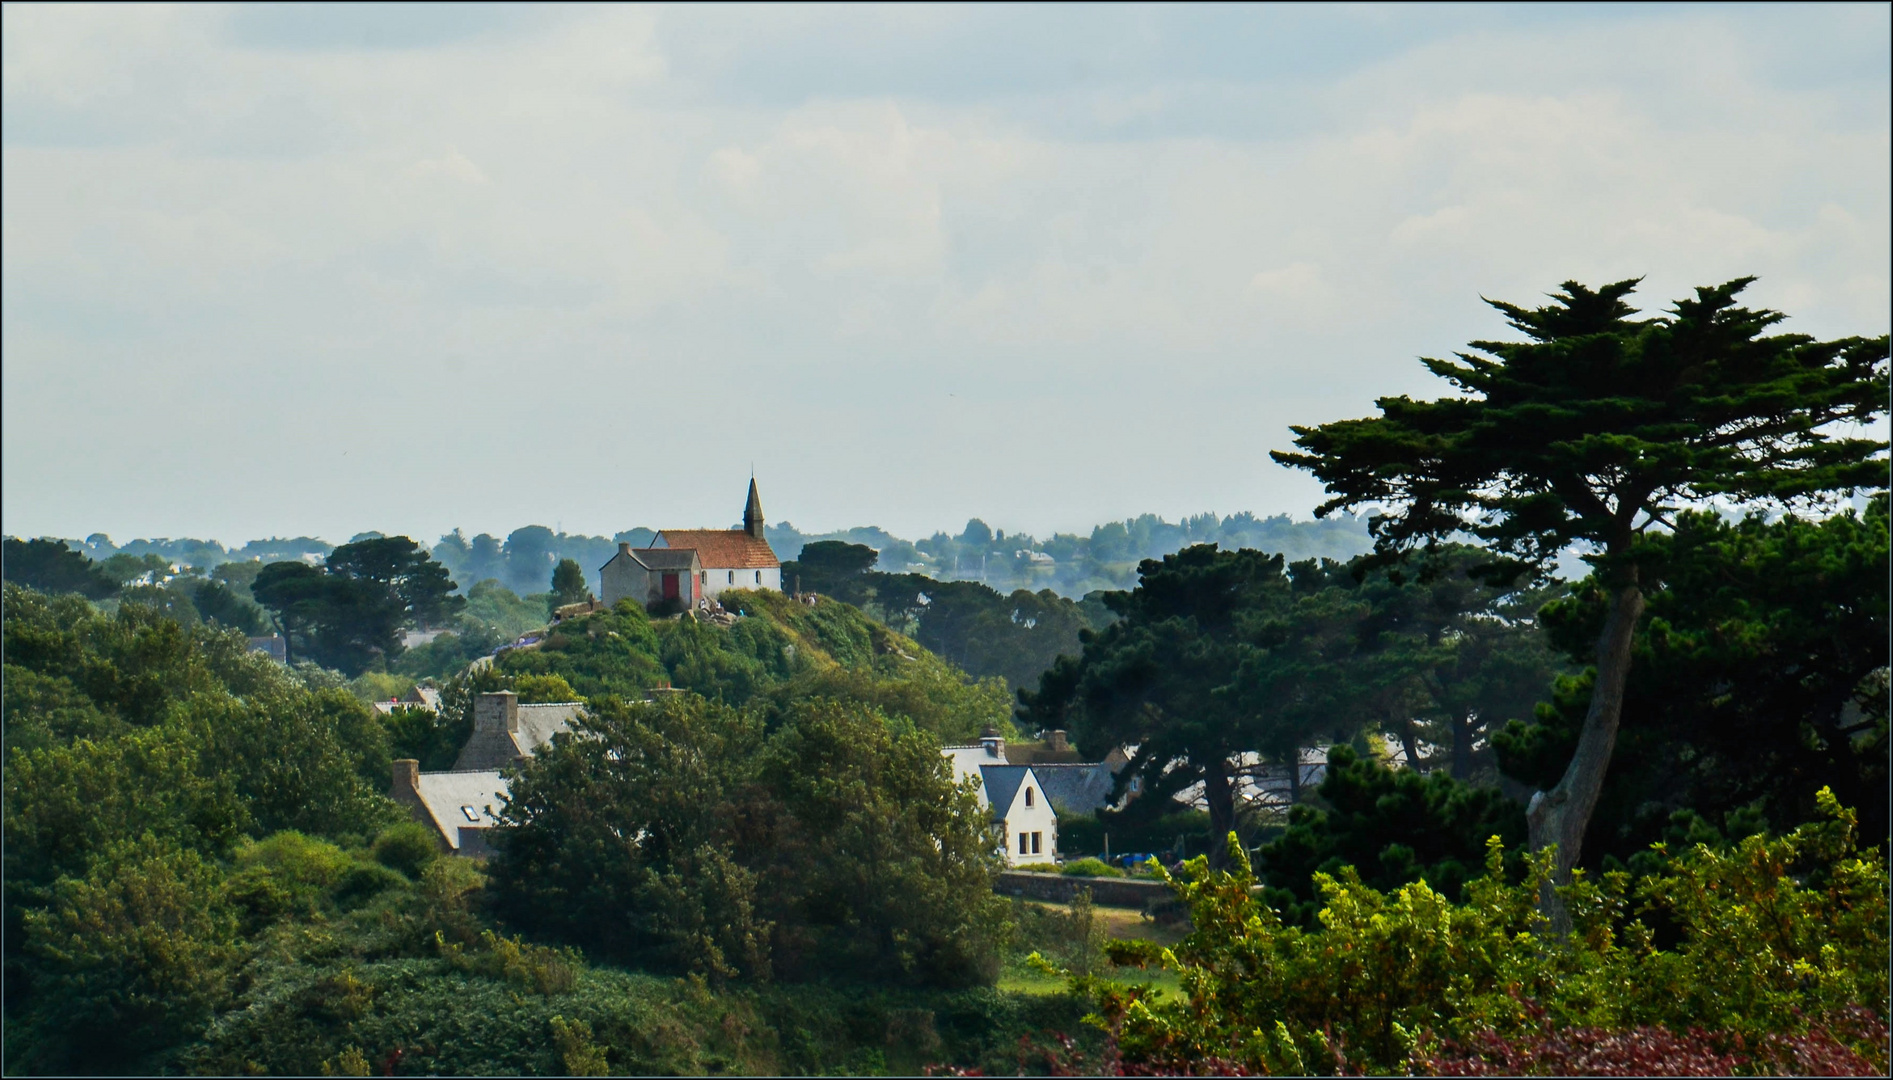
(1067, 563)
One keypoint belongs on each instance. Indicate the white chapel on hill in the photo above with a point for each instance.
(694, 566)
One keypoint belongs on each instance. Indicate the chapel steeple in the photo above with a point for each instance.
(752, 514)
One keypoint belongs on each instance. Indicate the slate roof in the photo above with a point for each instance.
(537, 725)
(968, 759)
(671, 558)
(1002, 783)
(423, 695)
(444, 794)
(1075, 788)
(723, 549)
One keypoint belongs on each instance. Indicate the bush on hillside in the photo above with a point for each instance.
(407, 847)
(1776, 937)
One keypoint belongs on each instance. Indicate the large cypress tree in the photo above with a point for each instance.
(1593, 431)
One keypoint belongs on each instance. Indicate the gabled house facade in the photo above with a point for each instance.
(1023, 821)
(650, 576)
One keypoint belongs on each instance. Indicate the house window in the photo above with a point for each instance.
(759, 577)
(706, 577)
(1028, 796)
(732, 577)
(1037, 837)
(1024, 844)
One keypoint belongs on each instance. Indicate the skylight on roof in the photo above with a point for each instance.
(472, 814)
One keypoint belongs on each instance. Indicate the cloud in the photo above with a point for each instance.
(1039, 265)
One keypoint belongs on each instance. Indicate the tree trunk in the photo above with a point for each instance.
(1409, 743)
(1559, 816)
(1294, 777)
(1462, 747)
(1219, 794)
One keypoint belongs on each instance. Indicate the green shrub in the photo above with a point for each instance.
(1072, 939)
(132, 958)
(1091, 868)
(1772, 935)
(288, 875)
(407, 847)
(537, 689)
(547, 971)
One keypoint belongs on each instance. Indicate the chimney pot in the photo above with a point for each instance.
(994, 743)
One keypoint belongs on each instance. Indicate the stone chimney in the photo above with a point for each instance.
(407, 781)
(1059, 743)
(497, 711)
(993, 742)
(624, 547)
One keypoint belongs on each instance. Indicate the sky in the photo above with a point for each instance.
(297, 269)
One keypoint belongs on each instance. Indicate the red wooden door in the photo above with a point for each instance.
(670, 586)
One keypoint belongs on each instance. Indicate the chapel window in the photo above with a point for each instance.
(1028, 796)
(1036, 837)
(1024, 843)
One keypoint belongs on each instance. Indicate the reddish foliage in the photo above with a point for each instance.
(1655, 1051)
(1826, 1050)
(1062, 1057)
(1583, 1052)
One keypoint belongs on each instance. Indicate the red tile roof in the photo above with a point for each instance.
(724, 549)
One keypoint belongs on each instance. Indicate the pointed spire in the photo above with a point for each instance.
(752, 514)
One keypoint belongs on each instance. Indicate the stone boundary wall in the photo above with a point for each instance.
(1059, 889)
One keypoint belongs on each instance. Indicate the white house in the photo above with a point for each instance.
(692, 566)
(1022, 817)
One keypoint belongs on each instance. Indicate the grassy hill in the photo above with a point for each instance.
(777, 650)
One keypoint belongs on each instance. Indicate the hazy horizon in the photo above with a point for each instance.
(302, 270)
